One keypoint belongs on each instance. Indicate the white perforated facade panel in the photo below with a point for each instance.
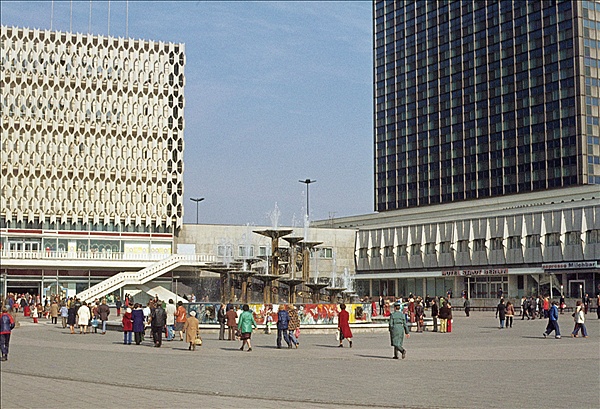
(92, 129)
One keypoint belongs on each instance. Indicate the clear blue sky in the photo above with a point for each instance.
(276, 92)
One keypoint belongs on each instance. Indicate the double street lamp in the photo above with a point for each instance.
(307, 182)
(197, 200)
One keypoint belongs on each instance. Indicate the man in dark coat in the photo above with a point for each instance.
(501, 312)
(398, 328)
(222, 321)
(434, 314)
(158, 322)
(103, 312)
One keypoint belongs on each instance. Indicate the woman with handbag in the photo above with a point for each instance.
(192, 332)
(579, 318)
(344, 326)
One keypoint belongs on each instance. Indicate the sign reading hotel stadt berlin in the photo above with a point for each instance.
(480, 272)
(569, 265)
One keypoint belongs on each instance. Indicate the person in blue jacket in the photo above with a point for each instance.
(553, 321)
(283, 320)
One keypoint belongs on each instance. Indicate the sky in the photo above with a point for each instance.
(276, 92)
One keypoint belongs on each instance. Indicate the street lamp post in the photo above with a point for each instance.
(176, 278)
(307, 182)
(197, 200)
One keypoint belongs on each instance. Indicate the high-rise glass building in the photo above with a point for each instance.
(477, 99)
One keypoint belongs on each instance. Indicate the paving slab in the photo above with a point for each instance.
(475, 366)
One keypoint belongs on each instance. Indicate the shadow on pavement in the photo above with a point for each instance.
(374, 356)
(327, 346)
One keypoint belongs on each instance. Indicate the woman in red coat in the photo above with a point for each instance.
(344, 325)
(127, 327)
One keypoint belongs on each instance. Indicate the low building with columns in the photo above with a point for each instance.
(517, 245)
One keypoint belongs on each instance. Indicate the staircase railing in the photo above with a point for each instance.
(141, 277)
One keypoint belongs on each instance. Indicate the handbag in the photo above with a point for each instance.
(337, 335)
(297, 333)
(198, 341)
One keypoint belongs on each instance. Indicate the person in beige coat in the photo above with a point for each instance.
(191, 330)
(54, 312)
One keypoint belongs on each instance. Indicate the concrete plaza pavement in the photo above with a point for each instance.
(475, 366)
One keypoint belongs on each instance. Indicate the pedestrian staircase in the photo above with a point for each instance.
(143, 276)
(548, 279)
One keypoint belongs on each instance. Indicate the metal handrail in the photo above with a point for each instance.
(90, 255)
(144, 275)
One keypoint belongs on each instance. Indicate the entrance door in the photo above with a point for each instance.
(576, 288)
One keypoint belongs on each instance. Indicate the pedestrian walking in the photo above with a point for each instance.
(419, 315)
(579, 318)
(139, 323)
(246, 324)
(586, 303)
(222, 322)
(54, 312)
(552, 322)
(524, 308)
(444, 315)
(72, 318)
(598, 305)
(231, 318)
(510, 313)
(467, 306)
(127, 326)
(283, 320)
(118, 304)
(34, 313)
(171, 310)
(64, 314)
(7, 323)
(434, 314)
(180, 319)
(501, 312)
(192, 330)
(398, 328)
(532, 307)
(344, 326)
(158, 320)
(103, 313)
(84, 315)
(294, 326)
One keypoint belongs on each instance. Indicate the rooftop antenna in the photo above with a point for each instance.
(90, 19)
(109, 17)
(127, 19)
(52, 15)
(71, 18)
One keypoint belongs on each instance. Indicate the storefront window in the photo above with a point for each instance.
(486, 287)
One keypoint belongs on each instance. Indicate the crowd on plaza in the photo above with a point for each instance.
(173, 320)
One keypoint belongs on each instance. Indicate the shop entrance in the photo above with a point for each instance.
(576, 288)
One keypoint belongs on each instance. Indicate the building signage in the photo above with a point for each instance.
(569, 265)
(479, 272)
